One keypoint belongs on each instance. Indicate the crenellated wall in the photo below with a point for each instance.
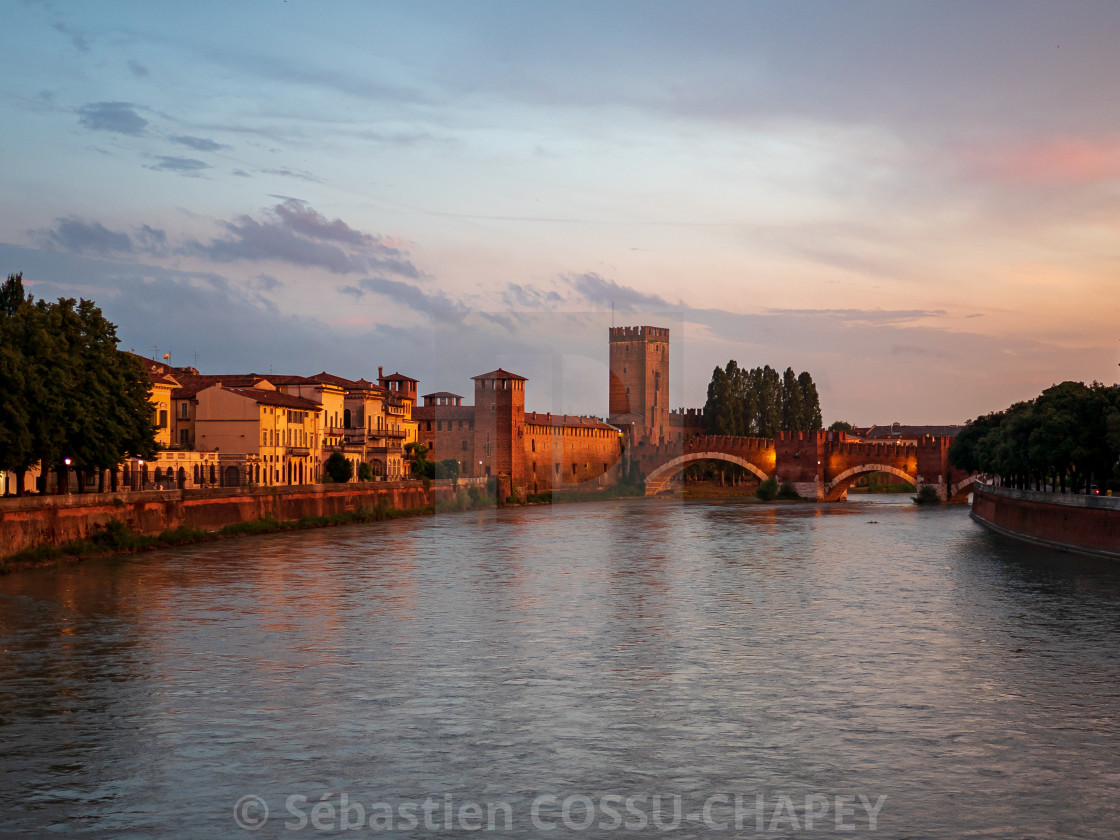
(820, 465)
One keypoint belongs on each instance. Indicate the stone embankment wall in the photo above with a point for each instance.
(53, 520)
(1086, 524)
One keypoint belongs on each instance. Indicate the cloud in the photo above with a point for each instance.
(1055, 161)
(82, 237)
(77, 38)
(293, 232)
(199, 144)
(138, 69)
(865, 316)
(599, 291)
(152, 240)
(518, 296)
(291, 173)
(267, 283)
(433, 304)
(184, 166)
(119, 117)
(303, 219)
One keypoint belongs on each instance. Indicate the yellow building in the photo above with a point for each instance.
(277, 437)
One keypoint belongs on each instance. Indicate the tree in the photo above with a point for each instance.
(68, 391)
(447, 468)
(338, 468)
(840, 426)
(760, 402)
(365, 472)
(811, 418)
(16, 437)
(1070, 432)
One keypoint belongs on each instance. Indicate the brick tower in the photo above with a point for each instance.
(639, 386)
(499, 428)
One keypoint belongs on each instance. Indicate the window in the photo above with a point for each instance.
(493, 407)
(573, 469)
(464, 446)
(163, 418)
(533, 444)
(184, 437)
(184, 411)
(558, 469)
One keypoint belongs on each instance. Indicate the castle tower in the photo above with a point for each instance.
(639, 386)
(499, 427)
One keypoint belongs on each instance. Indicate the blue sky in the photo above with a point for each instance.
(917, 202)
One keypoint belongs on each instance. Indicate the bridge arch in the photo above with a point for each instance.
(959, 491)
(835, 489)
(658, 480)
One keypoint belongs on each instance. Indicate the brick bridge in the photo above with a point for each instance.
(821, 465)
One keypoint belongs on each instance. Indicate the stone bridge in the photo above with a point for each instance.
(821, 465)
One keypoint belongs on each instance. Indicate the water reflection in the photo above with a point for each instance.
(869, 648)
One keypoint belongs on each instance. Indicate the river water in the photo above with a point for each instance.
(628, 668)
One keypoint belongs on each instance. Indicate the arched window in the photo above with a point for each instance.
(346, 418)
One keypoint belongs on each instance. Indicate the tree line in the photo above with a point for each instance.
(66, 391)
(760, 402)
(1067, 436)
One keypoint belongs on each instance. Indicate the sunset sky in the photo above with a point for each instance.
(918, 203)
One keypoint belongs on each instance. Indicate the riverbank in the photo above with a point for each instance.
(1082, 524)
(56, 530)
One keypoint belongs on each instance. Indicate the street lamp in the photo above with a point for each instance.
(66, 461)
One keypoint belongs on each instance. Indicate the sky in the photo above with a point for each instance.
(918, 203)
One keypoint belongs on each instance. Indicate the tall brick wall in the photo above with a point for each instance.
(639, 363)
(559, 456)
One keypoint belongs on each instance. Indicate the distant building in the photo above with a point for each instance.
(528, 452)
(900, 433)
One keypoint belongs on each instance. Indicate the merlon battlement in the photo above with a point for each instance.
(639, 334)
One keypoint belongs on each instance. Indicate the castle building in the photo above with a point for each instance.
(527, 452)
(639, 382)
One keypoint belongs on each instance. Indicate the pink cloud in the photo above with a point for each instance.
(1067, 160)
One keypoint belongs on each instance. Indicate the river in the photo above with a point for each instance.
(625, 668)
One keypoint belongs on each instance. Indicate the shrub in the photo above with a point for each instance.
(767, 490)
(365, 472)
(788, 491)
(338, 468)
(927, 495)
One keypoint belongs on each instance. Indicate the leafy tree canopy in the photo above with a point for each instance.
(760, 402)
(68, 391)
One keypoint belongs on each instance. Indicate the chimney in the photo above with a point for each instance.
(380, 372)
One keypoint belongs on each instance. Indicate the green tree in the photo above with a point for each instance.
(68, 391)
(793, 404)
(760, 401)
(447, 468)
(840, 426)
(338, 468)
(811, 419)
(365, 472)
